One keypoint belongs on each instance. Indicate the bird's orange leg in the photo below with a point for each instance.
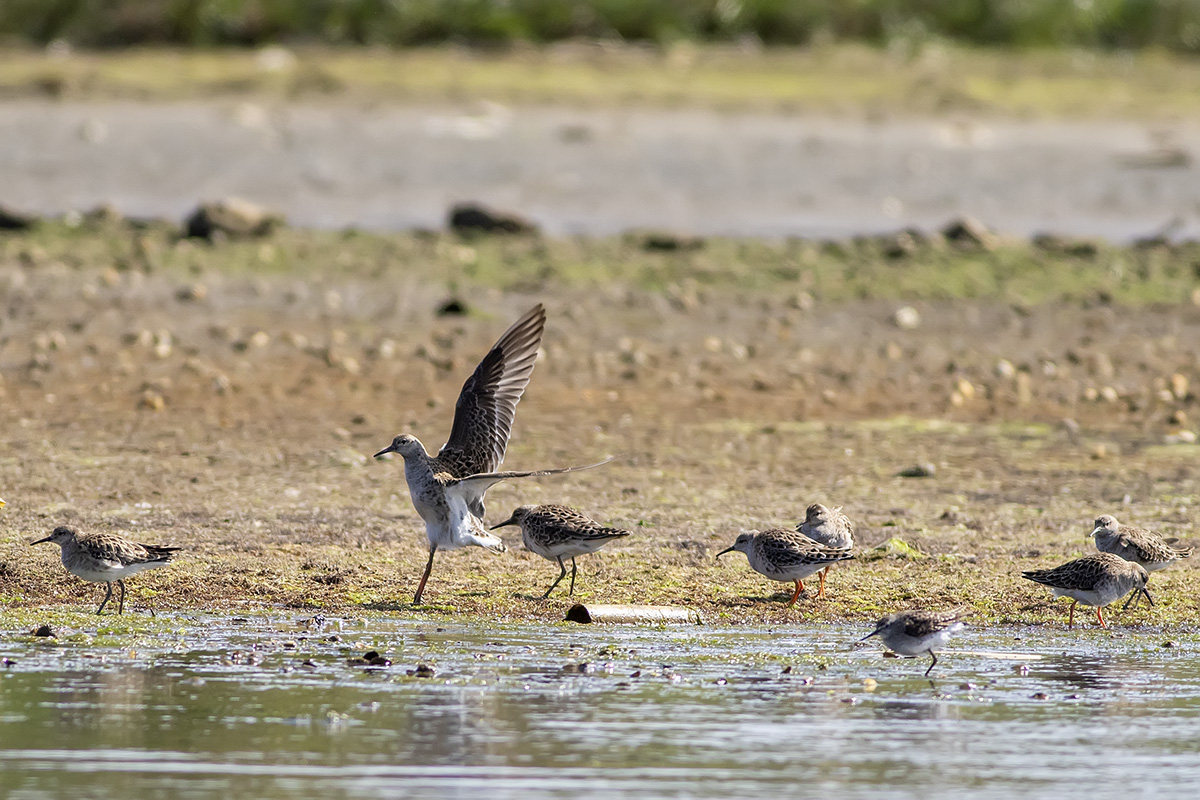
(799, 589)
(1100, 617)
(1071, 619)
(821, 588)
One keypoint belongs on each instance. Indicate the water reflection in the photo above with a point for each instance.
(511, 711)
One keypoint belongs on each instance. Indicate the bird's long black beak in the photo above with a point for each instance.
(1136, 595)
(723, 552)
(384, 451)
(39, 541)
(511, 520)
(869, 635)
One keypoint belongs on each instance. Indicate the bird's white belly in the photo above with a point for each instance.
(105, 571)
(565, 549)
(911, 645)
(788, 572)
(1089, 597)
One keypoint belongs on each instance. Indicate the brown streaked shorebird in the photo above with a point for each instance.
(106, 557)
(831, 528)
(786, 556)
(556, 532)
(911, 633)
(1094, 580)
(447, 489)
(1138, 545)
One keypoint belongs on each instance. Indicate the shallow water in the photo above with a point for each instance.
(704, 172)
(270, 706)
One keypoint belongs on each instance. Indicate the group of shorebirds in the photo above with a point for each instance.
(448, 489)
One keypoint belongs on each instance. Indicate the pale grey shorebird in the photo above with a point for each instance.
(1138, 545)
(556, 532)
(911, 633)
(785, 556)
(447, 489)
(106, 557)
(1094, 580)
(831, 528)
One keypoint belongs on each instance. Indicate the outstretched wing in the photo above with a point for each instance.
(472, 488)
(483, 415)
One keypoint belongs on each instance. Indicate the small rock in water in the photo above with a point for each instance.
(968, 233)
(232, 217)
(13, 220)
(44, 630)
(477, 218)
(423, 671)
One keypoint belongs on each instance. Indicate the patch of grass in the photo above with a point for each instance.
(928, 79)
(1014, 272)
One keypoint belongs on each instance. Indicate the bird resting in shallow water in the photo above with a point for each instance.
(911, 633)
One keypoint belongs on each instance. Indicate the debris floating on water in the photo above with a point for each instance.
(619, 615)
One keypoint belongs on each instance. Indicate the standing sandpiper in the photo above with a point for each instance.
(831, 528)
(911, 633)
(106, 557)
(1138, 545)
(1094, 580)
(447, 489)
(556, 532)
(785, 556)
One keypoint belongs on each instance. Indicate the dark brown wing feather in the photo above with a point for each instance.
(919, 624)
(484, 413)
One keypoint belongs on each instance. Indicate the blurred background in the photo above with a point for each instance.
(733, 117)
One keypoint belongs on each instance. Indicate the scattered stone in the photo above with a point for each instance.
(668, 242)
(968, 233)
(454, 307)
(44, 631)
(103, 215)
(423, 671)
(923, 470)
(903, 244)
(1066, 245)
(1179, 386)
(233, 217)
(1180, 437)
(152, 401)
(194, 293)
(478, 218)
(906, 318)
(13, 220)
